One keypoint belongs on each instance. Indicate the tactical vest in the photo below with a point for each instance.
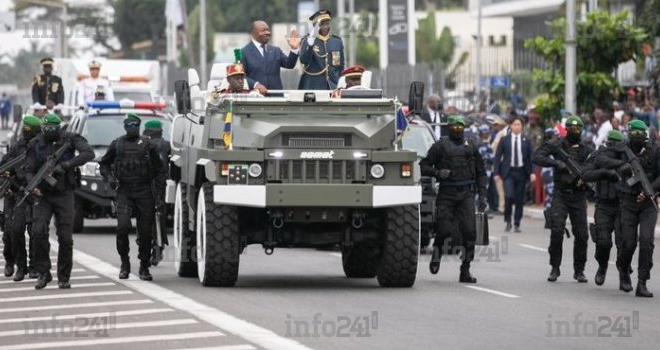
(132, 162)
(66, 181)
(460, 160)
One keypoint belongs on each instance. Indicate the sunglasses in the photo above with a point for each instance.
(50, 128)
(132, 125)
(457, 127)
(637, 133)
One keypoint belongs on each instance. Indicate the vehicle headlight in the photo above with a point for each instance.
(254, 170)
(377, 171)
(90, 169)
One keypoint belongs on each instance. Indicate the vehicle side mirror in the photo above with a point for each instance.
(182, 95)
(416, 97)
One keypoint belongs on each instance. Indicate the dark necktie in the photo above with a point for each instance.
(516, 161)
(263, 48)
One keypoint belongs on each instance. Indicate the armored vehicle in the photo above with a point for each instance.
(297, 170)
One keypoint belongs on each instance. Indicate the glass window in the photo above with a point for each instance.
(418, 138)
(101, 131)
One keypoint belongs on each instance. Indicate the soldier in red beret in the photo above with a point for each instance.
(353, 78)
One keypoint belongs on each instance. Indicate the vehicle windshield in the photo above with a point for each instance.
(141, 96)
(418, 139)
(101, 131)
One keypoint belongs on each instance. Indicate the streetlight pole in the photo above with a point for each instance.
(202, 42)
(477, 78)
(571, 58)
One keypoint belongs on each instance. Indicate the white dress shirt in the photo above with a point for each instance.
(515, 149)
(435, 119)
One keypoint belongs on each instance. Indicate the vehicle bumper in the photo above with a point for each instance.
(301, 195)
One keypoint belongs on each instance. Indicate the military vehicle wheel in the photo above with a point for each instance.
(78, 217)
(398, 266)
(360, 260)
(218, 249)
(184, 240)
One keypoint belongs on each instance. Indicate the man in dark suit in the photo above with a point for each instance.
(513, 164)
(433, 114)
(262, 62)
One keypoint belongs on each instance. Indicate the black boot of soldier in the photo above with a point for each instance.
(9, 270)
(554, 274)
(580, 277)
(465, 276)
(20, 274)
(125, 269)
(156, 255)
(434, 265)
(144, 272)
(642, 291)
(43, 280)
(624, 282)
(600, 276)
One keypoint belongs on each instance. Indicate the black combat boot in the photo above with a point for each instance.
(624, 282)
(63, 284)
(580, 277)
(554, 274)
(144, 272)
(9, 270)
(508, 227)
(33, 274)
(20, 274)
(600, 276)
(434, 265)
(465, 276)
(43, 280)
(156, 255)
(124, 270)
(642, 291)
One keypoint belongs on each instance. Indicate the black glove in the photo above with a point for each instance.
(59, 169)
(65, 165)
(612, 175)
(442, 174)
(560, 165)
(625, 170)
(482, 204)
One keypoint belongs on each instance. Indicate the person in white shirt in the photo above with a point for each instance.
(604, 128)
(434, 115)
(89, 87)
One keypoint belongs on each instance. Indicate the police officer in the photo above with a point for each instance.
(16, 218)
(154, 130)
(459, 168)
(47, 87)
(569, 198)
(55, 200)
(601, 169)
(321, 55)
(133, 162)
(637, 210)
(89, 87)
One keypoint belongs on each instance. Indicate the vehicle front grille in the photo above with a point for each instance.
(309, 142)
(316, 171)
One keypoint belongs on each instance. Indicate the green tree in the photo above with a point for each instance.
(603, 42)
(650, 20)
(21, 68)
(137, 21)
(436, 50)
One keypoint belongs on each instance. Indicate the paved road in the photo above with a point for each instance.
(278, 298)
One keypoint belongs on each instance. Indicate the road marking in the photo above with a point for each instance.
(533, 247)
(88, 277)
(232, 324)
(73, 306)
(53, 286)
(336, 254)
(63, 296)
(502, 294)
(92, 315)
(107, 341)
(54, 331)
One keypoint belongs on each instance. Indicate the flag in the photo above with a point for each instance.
(401, 121)
(226, 132)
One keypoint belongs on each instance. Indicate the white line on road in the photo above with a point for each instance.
(92, 315)
(58, 330)
(62, 296)
(492, 291)
(232, 324)
(225, 347)
(74, 306)
(87, 277)
(533, 247)
(107, 341)
(54, 286)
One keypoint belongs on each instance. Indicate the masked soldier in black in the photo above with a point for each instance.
(55, 200)
(16, 218)
(47, 87)
(637, 209)
(569, 198)
(459, 168)
(133, 163)
(154, 130)
(602, 169)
